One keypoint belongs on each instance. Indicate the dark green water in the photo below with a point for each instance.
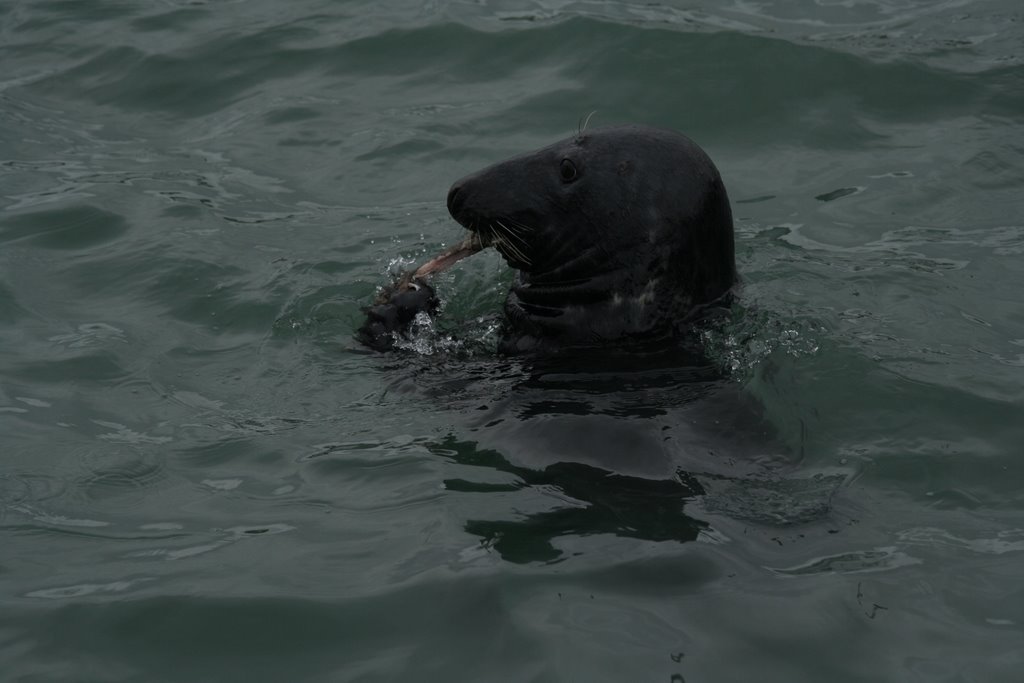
(201, 479)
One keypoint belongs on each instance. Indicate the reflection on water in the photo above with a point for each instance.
(614, 443)
(585, 500)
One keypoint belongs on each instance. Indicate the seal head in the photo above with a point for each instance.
(621, 236)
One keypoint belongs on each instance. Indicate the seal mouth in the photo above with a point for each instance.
(510, 236)
(507, 236)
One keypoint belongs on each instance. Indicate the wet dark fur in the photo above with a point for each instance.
(620, 236)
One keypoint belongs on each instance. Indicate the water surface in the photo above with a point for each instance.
(202, 478)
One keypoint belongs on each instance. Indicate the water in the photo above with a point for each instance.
(201, 477)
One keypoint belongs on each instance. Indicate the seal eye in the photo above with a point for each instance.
(568, 171)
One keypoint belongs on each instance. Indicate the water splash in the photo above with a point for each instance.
(749, 336)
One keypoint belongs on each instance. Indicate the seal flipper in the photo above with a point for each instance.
(394, 312)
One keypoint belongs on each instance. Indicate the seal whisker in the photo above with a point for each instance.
(509, 236)
(587, 121)
(497, 241)
(517, 227)
(581, 125)
(503, 238)
(512, 233)
(510, 229)
(513, 250)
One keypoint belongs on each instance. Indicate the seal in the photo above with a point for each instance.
(622, 239)
(621, 236)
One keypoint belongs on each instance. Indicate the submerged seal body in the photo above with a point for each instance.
(620, 235)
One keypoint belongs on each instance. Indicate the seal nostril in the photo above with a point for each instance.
(454, 199)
